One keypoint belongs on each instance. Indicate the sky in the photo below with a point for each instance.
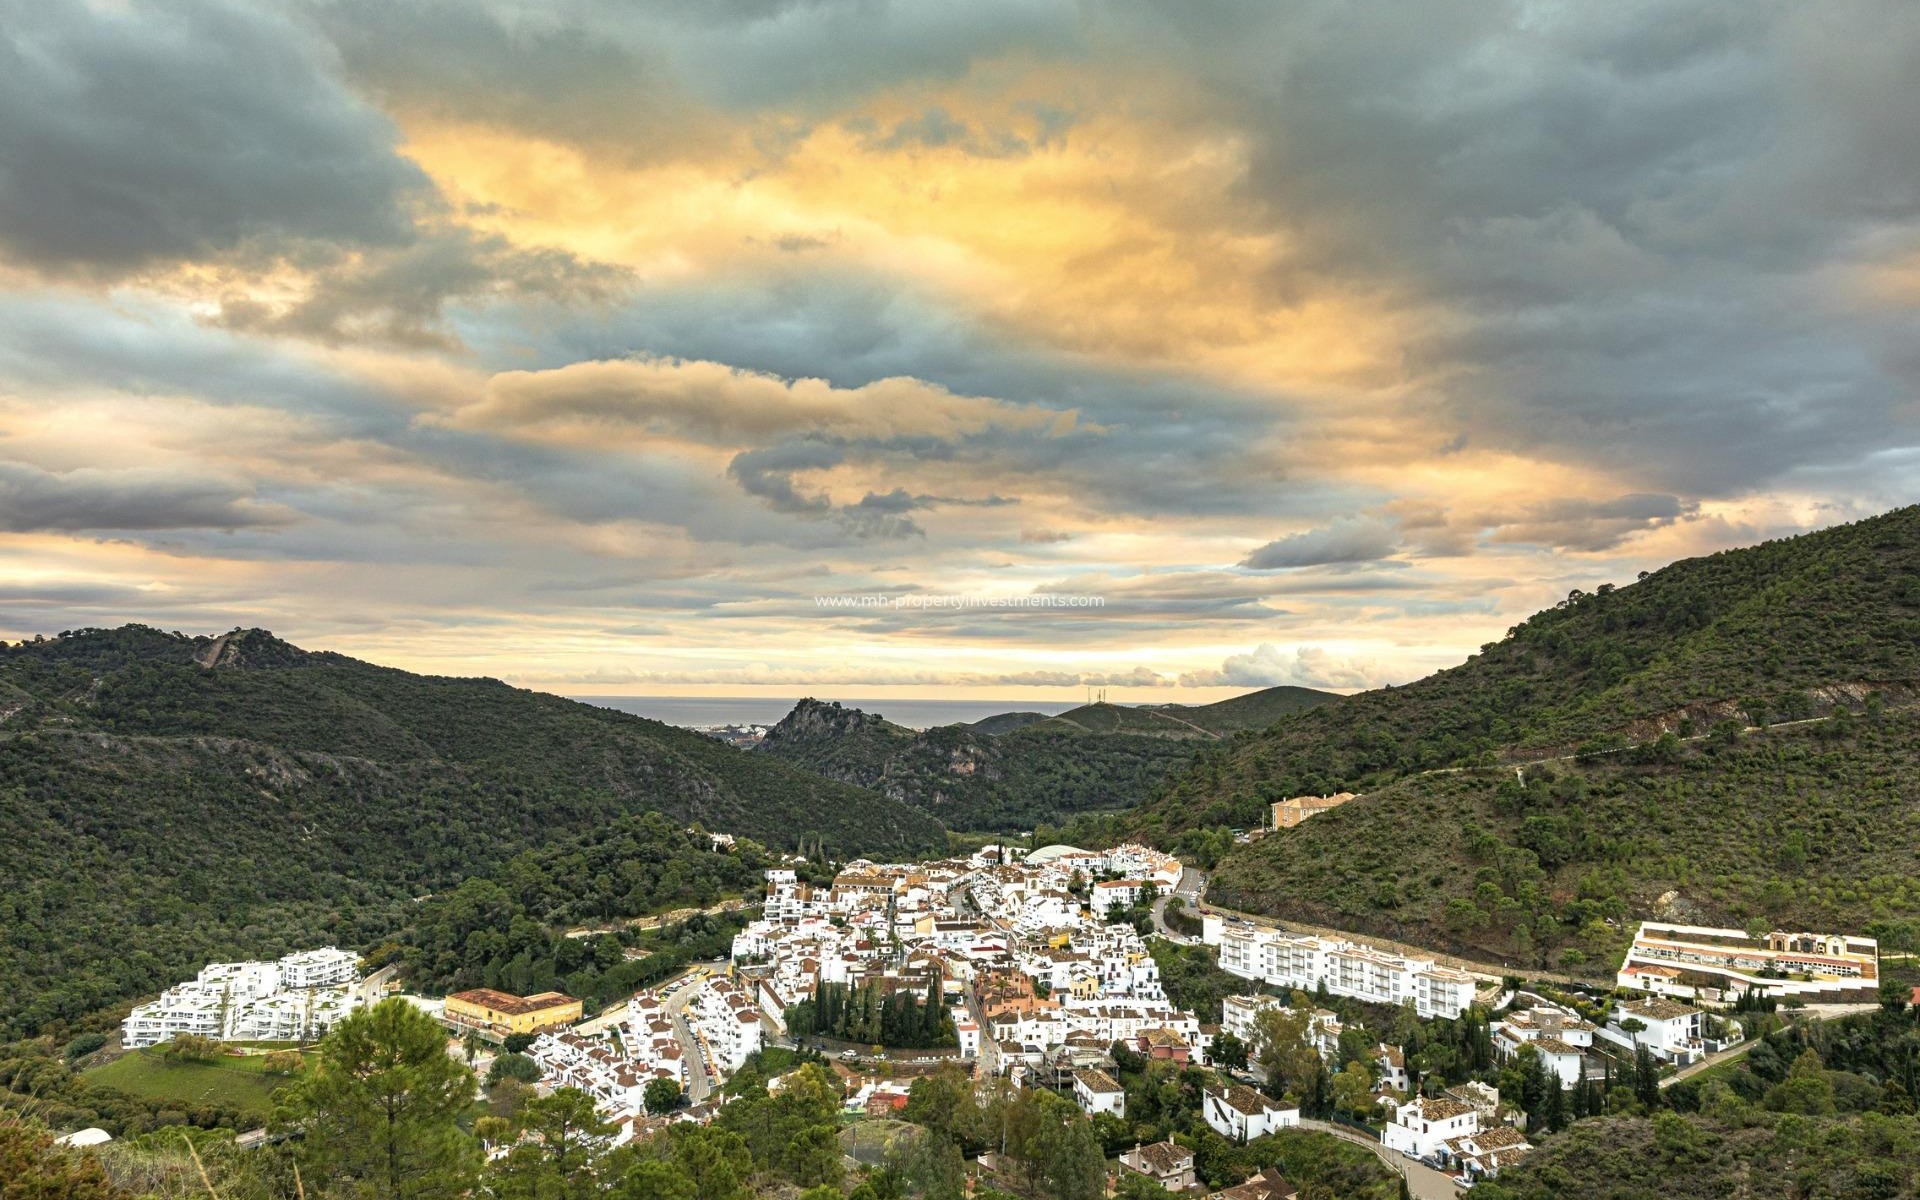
(599, 346)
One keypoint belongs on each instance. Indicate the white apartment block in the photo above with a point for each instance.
(727, 1021)
(295, 999)
(1350, 969)
(326, 967)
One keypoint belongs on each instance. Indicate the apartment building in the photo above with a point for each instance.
(297, 998)
(1351, 969)
(727, 1021)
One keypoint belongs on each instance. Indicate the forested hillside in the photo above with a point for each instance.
(1774, 632)
(508, 929)
(971, 780)
(1814, 827)
(167, 799)
(1659, 798)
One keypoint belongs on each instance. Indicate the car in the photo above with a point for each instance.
(849, 1055)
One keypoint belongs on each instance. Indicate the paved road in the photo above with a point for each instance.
(1192, 883)
(1422, 1180)
(699, 1082)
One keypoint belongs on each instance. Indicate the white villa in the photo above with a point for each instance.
(1240, 1113)
(1672, 1029)
(1096, 1092)
(1422, 1128)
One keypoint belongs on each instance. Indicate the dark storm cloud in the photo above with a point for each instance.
(93, 500)
(154, 133)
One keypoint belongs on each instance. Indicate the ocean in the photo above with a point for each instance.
(690, 711)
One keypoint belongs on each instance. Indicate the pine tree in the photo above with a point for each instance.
(380, 1108)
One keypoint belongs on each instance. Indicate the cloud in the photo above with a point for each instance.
(1349, 541)
(399, 296)
(139, 134)
(1266, 665)
(720, 404)
(1593, 526)
(89, 499)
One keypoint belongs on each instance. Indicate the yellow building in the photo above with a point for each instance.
(1288, 813)
(500, 1013)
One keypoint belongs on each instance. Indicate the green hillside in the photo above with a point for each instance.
(1781, 630)
(1811, 827)
(168, 799)
(1806, 824)
(1038, 772)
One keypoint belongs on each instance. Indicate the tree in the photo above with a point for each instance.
(1353, 1090)
(556, 1158)
(1061, 1153)
(1893, 996)
(513, 1066)
(661, 1096)
(1282, 1043)
(1135, 1186)
(1229, 1051)
(1646, 1078)
(378, 1108)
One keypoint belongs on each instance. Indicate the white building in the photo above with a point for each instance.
(967, 1032)
(325, 967)
(1561, 1039)
(1242, 1114)
(1096, 1093)
(1421, 1129)
(1109, 892)
(1346, 968)
(1672, 1029)
(727, 1022)
(297, 998)
(1686, 961)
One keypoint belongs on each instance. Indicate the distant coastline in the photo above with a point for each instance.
(696, 711)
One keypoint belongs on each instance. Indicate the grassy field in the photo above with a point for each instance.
(243, 1083)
